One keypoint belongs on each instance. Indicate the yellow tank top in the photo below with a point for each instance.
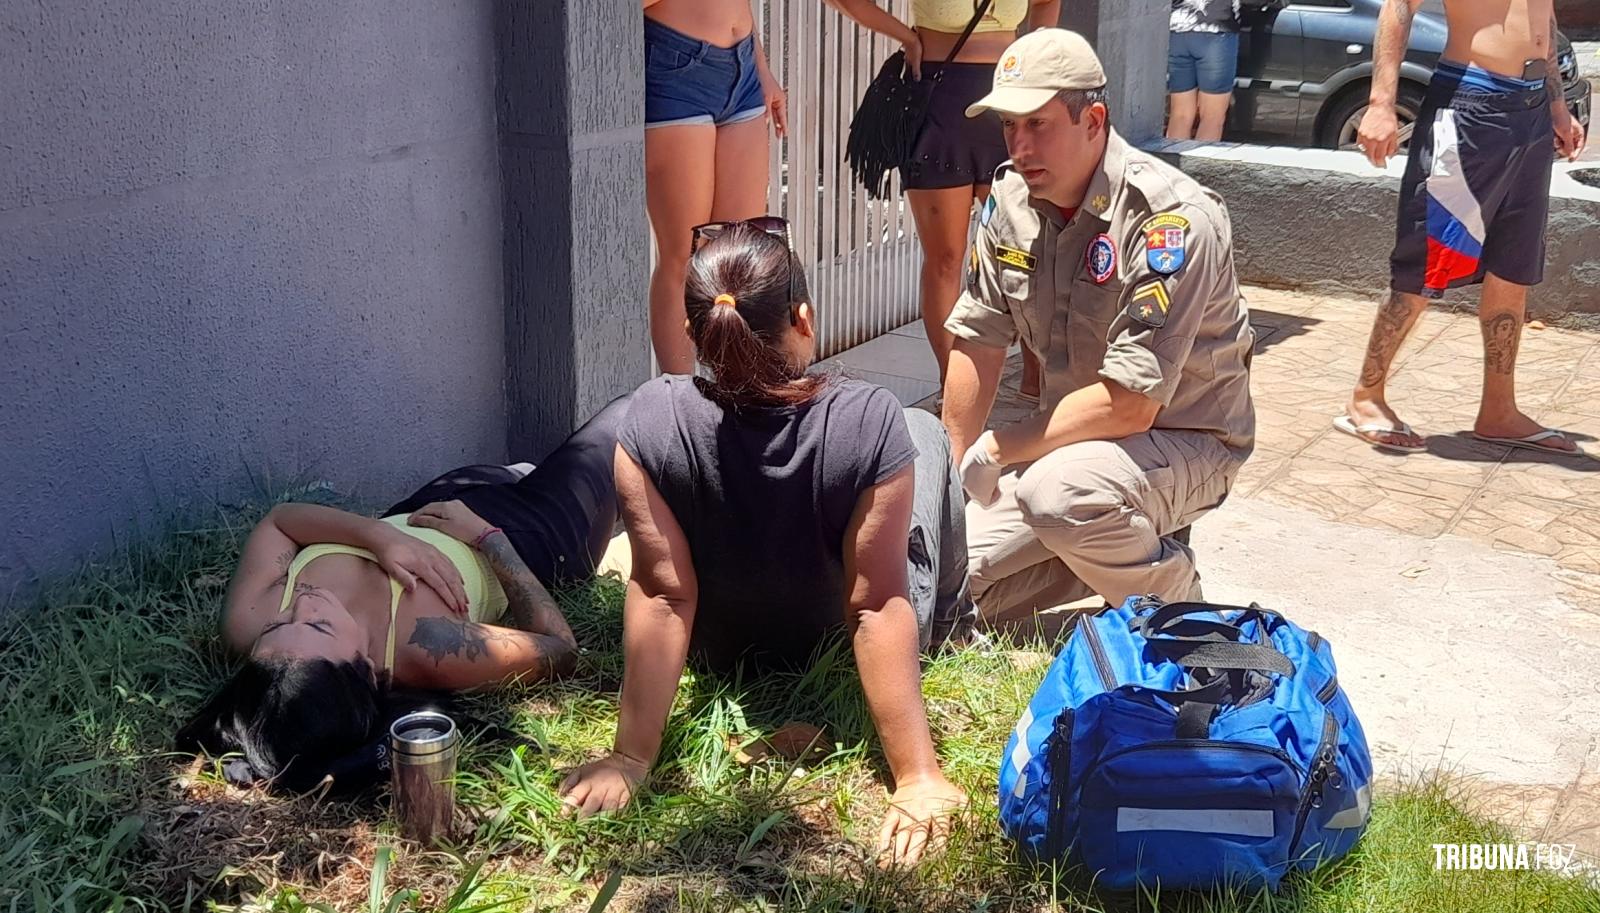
(486, 598)
(953, 15)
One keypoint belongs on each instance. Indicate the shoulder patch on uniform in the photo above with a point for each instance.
(1165, 238)
(987, 211)
(1149, 303)
(972, 271)
(1014, 257)
(1101, 258)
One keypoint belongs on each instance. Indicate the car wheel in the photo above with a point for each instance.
(1344, 118)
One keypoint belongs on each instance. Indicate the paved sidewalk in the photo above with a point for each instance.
(1460, 587)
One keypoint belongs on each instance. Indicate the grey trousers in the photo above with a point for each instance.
(936, 555)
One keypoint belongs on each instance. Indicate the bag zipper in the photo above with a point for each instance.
(1329, 690)
(1061, 764)
(1321, 763)
(1102, 663)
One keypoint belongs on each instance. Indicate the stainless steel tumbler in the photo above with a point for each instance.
(422, 774)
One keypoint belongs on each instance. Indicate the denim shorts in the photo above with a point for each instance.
(688, 81)
(1207, 61)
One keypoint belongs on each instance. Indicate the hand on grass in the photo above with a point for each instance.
(602, 786)
(918, 822)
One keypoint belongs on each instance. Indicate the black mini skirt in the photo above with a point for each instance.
(954, 150)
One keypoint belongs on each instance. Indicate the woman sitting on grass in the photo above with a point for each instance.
(769, 507)
(447, 592)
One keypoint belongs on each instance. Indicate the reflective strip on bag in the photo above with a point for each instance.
(1242, 822)
(1020, 755)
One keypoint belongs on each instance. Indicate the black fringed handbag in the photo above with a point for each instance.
(886, 124)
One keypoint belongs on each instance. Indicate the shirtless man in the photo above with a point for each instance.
(1473, 201)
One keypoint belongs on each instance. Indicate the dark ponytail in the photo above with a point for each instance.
(742, 294)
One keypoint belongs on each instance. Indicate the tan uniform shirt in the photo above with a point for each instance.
(1138, 287)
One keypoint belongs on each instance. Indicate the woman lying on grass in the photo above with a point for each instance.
(447, 592)
(770, 506)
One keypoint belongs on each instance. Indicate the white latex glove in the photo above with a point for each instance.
(980, 471)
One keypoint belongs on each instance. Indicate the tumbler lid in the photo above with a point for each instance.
(422, 732)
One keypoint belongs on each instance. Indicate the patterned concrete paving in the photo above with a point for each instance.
(1308, 350)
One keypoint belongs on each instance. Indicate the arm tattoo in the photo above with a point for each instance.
(1395, 317)
(528, 604)
(1501, 336)
(284, 561)
(1403, 13)
(441, 637)
(1552, 78)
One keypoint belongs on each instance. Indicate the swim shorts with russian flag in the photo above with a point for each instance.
(1476, 189)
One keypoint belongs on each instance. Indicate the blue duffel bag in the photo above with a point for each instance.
(1187, 745)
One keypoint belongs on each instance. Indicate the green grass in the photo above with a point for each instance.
(96, 814)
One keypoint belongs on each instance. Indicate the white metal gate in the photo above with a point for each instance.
(861, 254)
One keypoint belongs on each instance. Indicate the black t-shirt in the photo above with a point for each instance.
(764, 496)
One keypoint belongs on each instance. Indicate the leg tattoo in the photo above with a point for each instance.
(1501, 336)
(1388, 332)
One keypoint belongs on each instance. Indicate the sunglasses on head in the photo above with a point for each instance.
(777, 226)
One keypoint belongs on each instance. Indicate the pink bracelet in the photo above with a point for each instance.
(486, 534)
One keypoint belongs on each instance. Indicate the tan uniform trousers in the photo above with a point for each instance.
(1096, 517)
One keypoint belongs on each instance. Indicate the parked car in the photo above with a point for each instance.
(1305, 69)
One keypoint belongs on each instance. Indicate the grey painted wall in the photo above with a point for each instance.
(577, 244)
(1130, 37)
(236, 239)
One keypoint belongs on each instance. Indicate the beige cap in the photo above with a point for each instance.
(1037, 66)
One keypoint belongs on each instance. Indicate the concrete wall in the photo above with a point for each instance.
(240, 243)
(1325, 220)
(577, 244)
(1130, 36)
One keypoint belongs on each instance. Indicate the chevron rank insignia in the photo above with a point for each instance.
(1149, 303)
(1014, 257)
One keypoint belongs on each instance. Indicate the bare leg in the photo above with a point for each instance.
(1180, 120)
(679, 167)
(1500, 316)
(942, 217)
(1368, 404)
(1213, 115)
(742, 170)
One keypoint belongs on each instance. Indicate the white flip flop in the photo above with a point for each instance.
(1530, 442)
(1360, 432)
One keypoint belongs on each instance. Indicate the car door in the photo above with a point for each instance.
(1266, 88)
(1335, 36)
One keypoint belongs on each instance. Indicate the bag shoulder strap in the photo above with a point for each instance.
(977, 16)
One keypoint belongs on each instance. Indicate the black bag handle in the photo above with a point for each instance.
(1158, 621)
(1216, 654)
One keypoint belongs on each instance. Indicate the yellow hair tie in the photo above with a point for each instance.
(725, 298)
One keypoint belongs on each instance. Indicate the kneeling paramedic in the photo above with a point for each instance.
(1117, 271)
